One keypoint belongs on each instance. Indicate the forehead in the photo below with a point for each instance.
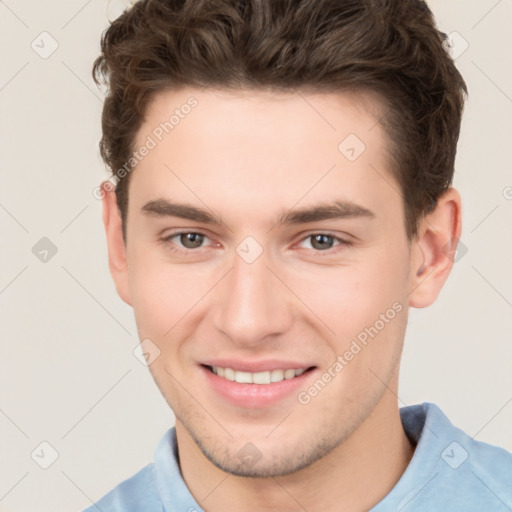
(262, 147)
(260, 113)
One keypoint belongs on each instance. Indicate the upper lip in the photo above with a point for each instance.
(256, 366)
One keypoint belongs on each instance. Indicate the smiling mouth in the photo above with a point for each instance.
(266, 377)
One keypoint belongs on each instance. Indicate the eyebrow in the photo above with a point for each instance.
(339, 209)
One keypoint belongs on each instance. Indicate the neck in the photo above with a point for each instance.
(356, 475)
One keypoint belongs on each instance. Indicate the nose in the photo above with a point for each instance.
(253, 305)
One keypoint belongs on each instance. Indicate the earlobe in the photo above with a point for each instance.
(434, 248)
(117, 258)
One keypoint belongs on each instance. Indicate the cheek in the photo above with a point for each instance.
(350, 298)
(372, 324)
(156, 294)
(166, 297)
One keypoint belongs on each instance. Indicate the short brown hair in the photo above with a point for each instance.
(389, 47)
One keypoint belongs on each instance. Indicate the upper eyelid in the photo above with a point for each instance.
(177, 233)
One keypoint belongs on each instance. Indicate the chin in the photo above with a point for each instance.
(268, 457)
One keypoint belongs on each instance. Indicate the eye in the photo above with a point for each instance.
(189, 240)
(323, 242)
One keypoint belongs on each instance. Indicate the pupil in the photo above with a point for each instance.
(191, 240)
(323, 239)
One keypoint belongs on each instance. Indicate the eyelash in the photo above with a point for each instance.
(171, 246)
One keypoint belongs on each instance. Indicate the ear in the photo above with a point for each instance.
(117, 261)
(433, 250)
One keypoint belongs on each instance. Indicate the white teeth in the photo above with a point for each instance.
(289, 374)
(261, 378)
(229, 374)
(256, 378)
(243, 377)
(276, 375)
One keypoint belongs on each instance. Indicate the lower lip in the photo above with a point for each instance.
(256, 396)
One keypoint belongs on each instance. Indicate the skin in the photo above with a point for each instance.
(247, 157)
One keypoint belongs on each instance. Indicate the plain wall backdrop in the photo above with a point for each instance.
(68, 375)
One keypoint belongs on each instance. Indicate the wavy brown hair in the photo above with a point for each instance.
(389, 47)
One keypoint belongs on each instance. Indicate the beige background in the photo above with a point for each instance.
(68, 375)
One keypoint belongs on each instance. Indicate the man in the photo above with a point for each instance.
(282, 197)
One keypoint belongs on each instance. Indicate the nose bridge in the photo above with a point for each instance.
(252, 306)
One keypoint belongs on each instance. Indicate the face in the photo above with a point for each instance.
(262, 238)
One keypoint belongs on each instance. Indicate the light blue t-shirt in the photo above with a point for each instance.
(449, 472)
